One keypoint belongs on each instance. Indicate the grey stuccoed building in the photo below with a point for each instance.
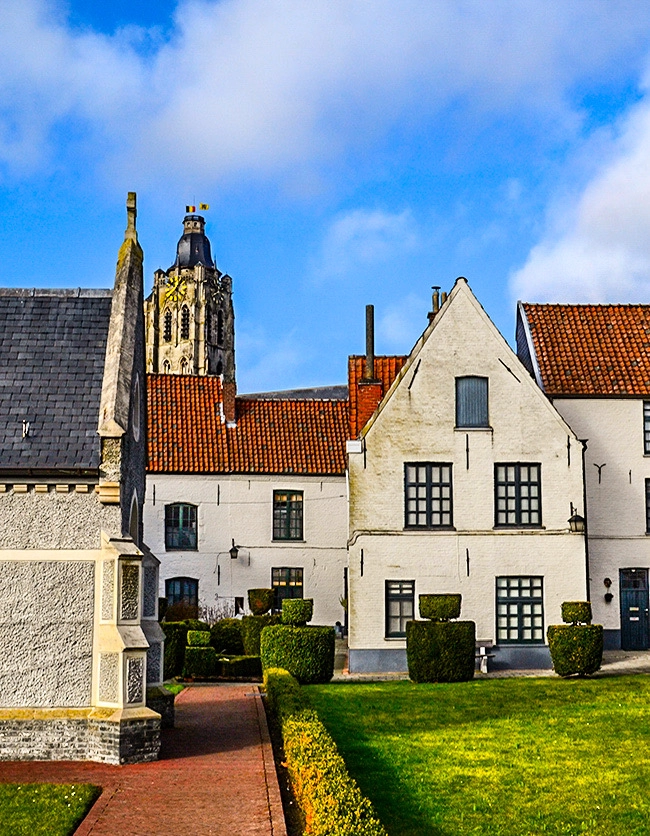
(80, 642)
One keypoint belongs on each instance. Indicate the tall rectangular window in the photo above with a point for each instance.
(472, 402)
(287, 515)
(647, 506)
(518, 494)
(520, 610)
(427, 495)
(400, 607)
(180, 527)
(287, 581)
(646, 427)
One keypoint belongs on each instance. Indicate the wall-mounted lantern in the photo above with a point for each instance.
(607, 582)
(576, 523)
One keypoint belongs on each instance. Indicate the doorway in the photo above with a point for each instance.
(634, 609)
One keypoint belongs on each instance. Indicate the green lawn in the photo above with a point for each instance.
(501, 756)
(44, 809)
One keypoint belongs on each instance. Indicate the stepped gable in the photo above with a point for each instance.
(386, 370)
(598, 350)
(52, 351)
(187, 433)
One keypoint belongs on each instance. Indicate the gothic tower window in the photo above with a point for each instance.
(219, 367)
(185, 323)
(184, 366)
(167, 367)
(167, 330)
(220, 328)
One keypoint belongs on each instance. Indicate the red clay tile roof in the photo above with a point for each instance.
(386, 370)
(592, 349)
(186, 434)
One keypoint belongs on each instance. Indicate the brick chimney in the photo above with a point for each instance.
(229, 389)
(369, 390)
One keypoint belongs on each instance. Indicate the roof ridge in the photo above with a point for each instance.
(65, 292)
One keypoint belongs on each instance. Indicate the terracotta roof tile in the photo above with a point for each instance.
(186, 434)
(592, 349)
(386, 370)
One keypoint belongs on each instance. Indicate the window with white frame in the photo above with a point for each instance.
(287, 515)
(518, 495)
(400, 607)
(427, 495)
(520, 610)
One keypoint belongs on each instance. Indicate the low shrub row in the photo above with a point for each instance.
(205, 663)
(330, 799)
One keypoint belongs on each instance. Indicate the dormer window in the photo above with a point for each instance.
(167, 329)
(185, 323)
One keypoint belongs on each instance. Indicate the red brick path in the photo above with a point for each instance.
(215, 774)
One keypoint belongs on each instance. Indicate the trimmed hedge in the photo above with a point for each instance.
(260, 601)
(576, 612)
(251, 630)
(175, 642)
(225, 637)
(575, 648)
(181, 611)
(440, 651)
(200, 662)
(246, 667)
(297, 611)
(307, 653)
(196, 624)
(329, 798)
(198, 638)
(440, 607)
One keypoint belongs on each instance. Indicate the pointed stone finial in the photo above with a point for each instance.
(131, 215)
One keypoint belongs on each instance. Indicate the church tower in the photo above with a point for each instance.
(189, 313)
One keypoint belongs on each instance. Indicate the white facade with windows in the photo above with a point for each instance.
(289, 533)
(463, 481)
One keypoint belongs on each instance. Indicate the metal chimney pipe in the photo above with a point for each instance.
(369, 371)
(436, 299)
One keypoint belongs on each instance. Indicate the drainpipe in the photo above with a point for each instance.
(583, 441)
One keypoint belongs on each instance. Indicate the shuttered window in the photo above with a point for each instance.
(472, 402)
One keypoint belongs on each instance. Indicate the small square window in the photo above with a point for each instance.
(400, 607)
(180, 527)
(287, 515)
(472, 402)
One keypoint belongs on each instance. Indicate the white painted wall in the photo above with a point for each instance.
(241, 508)
(417, 424)
(615, 505)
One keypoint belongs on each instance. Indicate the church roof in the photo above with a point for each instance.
(52, 350)
(600, 350)
(187, 434)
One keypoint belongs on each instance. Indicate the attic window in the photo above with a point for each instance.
(472, 402)
(185, 323)
(167, 331)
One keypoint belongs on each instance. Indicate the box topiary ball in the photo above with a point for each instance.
(440, 607)
(297, 611)
(576, 612)
(260, 601)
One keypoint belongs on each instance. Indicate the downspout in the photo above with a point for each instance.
(583, 441)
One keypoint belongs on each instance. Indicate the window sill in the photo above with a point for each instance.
(429, 528)
(487, 429)
(394, 638)
(180, 549)
(519, 528)
(287, 540)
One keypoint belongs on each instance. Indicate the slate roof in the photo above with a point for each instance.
(598, 350)
(386, 370)
(52, 350)
(186, 433)
(336, 392)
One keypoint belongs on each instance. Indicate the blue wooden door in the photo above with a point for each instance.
(634, 609)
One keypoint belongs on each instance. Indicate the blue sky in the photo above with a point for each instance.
(351, 151)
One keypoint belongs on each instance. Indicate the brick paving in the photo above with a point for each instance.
(216, 774)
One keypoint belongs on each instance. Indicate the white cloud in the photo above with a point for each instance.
(402, 323)
(362, 238)
(272, 85)
(597, 248)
